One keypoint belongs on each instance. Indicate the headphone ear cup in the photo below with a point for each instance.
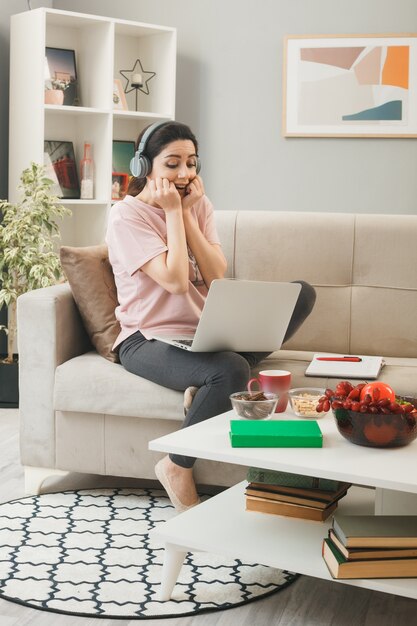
(134, 165)
(140, 166)
(198, 165)
(145, 166)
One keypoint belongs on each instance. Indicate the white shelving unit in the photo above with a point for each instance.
(103, 46)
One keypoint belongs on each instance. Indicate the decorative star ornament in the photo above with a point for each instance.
(127, 74)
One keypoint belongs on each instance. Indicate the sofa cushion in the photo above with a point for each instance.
(91, 384)
(90, 276)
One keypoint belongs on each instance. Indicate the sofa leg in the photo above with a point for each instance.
(35, 476)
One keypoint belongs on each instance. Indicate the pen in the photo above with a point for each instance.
(349, 359)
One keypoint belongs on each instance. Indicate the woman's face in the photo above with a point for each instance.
(177, 162)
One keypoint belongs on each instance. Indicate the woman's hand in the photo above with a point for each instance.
(164, 194)
(194, 192)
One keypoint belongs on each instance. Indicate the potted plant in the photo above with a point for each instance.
(28, 260)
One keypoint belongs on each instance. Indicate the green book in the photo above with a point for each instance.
(376, 531)
(275, 434)
(272, 477)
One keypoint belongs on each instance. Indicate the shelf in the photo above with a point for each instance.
(70, 19)
(141, 115)
(223, 526)
(129, 115)
(128, 28)
(67, 110)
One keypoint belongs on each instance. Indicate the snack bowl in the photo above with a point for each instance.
(377, 430)
(254, 406)
(303, 401)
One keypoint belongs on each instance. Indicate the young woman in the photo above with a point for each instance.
(165, 251)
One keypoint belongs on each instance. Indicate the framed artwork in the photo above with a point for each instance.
(119, 183)
(61, 167)
(119, 98)
(350, 86)
(60, 77)
(123, 153)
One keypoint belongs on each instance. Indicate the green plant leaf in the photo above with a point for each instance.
(27, 234)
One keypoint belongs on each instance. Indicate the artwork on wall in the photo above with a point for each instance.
(350, 86)
(61, 167)
(60, 77)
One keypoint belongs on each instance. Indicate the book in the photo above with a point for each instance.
(283, 497)
(263, 505)
(376, 531)
(367, 368)
(273, 477)
(339, 567)
(359, 554)
(329, 496)
(275, 434)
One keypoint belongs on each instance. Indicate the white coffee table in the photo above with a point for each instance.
(222, 525)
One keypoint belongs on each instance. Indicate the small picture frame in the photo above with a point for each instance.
(60, 77)
(61, 168)
(120, 182)
(119, 98)
(123, 153)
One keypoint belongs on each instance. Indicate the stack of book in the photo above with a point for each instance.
(372, 546)
(292, 495)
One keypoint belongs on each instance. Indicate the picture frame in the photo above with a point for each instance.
(350, 86)
(61, 82)
(123, 152)
(120, 182)
(119, 98)
(61, 168)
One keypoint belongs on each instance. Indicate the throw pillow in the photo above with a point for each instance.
(91, 279)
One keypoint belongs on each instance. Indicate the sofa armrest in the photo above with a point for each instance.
(50, 332)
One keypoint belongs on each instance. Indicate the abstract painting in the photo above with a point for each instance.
(356, 86)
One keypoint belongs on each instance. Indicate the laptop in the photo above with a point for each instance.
(242, 316)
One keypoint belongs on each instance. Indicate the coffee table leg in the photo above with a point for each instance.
(389, 502)
(173, 559)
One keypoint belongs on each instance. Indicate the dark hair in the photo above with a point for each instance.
(161, 137)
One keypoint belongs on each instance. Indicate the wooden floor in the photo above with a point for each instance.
(307, 602)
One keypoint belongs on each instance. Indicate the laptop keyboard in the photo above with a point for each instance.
(184, 342)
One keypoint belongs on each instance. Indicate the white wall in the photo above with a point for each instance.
(229, 91)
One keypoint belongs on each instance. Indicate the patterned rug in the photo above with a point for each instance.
(88, 553)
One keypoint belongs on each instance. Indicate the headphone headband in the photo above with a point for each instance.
(147, 134)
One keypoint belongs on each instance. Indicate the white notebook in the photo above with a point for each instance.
(367, 368)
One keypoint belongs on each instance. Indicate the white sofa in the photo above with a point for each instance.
(79, 412)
